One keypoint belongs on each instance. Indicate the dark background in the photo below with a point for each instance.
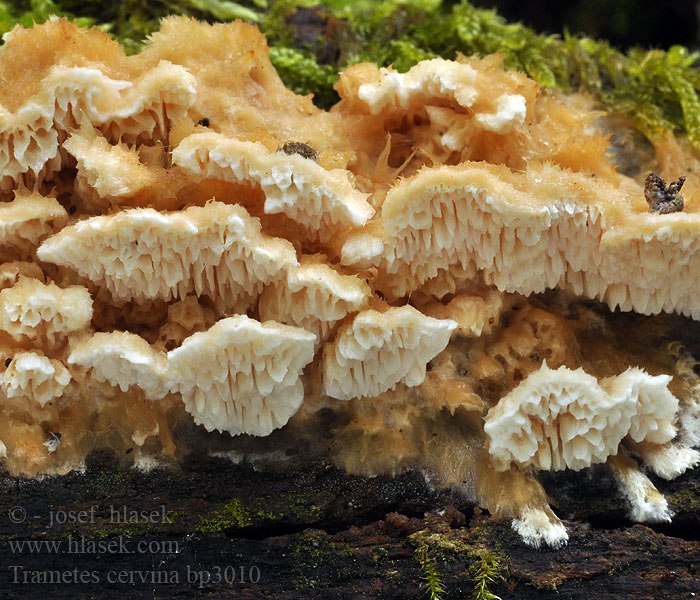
(624, 23)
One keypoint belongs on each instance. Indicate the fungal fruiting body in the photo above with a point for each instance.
(421, 261)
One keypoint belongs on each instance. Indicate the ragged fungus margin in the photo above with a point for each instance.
(652, 89)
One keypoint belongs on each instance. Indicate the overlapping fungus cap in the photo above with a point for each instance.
(215, 250)
(567, 419)
(377, 350)
(324, 202)
(55, 90)
(26, 221)
(33, 377)
(655, 405)
(498, 100)
(527, 232)
(556, 420)
(314, 296)
(242, 376)
(123, 360)
(43, 314)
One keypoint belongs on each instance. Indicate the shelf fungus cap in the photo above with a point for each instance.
(44, 314)
(216, 250)
(655, 405)
(26, 221)
(376, 351)
(314, 296)
(242, 376)
(34, 377)
(322, 201)
(557, 419)
(110, 170)
(122, 359)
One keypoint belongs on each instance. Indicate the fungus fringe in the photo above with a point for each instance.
(652, 89)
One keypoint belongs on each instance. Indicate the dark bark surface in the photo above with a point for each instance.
(216, 530)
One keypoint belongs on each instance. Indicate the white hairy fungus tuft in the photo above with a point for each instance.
(44, 314)
(376, 351)
(242, 376)
(215, 250)
(34, 377)
(123, 360)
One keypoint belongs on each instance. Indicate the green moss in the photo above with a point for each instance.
(431, 582)
(319, 560)
(232, 516)
(486, 572)
(304, 75)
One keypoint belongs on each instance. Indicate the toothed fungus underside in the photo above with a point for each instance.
(376, 351)
(26, 221)
(314, 297)
(242, 376)
(123, 360)
(558, 419)
(323, 201)
(161, 253)
(70, 96)
(34, 377)
(43, 314)
(216, 250)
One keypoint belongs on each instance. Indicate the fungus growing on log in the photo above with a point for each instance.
(422, 281)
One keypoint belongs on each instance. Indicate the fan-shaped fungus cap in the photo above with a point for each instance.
(491, 96)
(527, 232)
(324, 202)
(26, 221)
(122, 359)
(375, 351)
(216, 250)
(10, 272)
(555, 420)
(111, 171)
(314, 297)
(69, 96)
(34, 377)
(474, 314)
(44, 314)
(655, 405)
(242, 376)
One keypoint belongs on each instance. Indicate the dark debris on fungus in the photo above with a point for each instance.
(663, 199)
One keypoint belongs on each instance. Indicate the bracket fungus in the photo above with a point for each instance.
(43, 314)
(26, 221)
(430, 266)
(240, 375)
(34, 377)
(122, 359)
(375, 351)
(323, 201)
(216, 250)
